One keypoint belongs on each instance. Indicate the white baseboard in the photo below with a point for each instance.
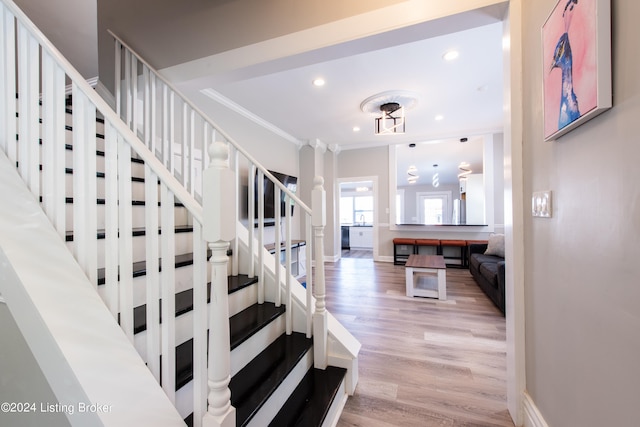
(532, 416)
(385, 258)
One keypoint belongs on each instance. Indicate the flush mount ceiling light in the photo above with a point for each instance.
(450, 55)
(389, 109)
(318, 82)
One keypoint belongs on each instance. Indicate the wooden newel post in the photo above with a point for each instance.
(218, 229)
(318, 221)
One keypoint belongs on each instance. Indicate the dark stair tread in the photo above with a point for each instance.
(240, 281)
(135, 232)
(69, 171)
(250, 320)
(256, 382)
(183, 302)
(309, 404)
(100, 201)
(184, 352)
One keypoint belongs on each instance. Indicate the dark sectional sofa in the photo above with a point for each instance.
(488, 271)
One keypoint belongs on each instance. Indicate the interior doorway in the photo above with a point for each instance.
(358, 217)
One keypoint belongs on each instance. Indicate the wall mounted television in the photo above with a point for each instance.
(290, 182)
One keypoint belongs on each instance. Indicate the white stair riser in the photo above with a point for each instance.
(242, 299)
(335, 410)
(137, 169)
(138, 216)
(137, 188)
(270, 409)
(183, 245)
(249, 349)
(184, 281)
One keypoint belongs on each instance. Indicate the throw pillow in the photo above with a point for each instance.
(496, 245)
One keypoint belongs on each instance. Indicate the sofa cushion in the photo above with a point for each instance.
(478, 259)
(489, 270)
(496, 245)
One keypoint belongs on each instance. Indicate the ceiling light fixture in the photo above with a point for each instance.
(465, 169)
(389, 109)
(356, 129)
(438, 117)
(391, 119)
(412, 174)
(318, 82)
(435, 179)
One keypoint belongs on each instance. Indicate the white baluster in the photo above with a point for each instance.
(146, 107)
(52, 128)
(277, 266)
(111, 218)
(260, 181)
(184, 168)
(309, 273)
(318, 204)
(135, 113)
(251, 219)
(168, 292)
(125, 241)
(287, 257)
(200, 325)
(218, 231)
(152, 266)
(192, 143)
(235, 267)
(9, 83)
(166, 127)
(127, 85)
(118, 77)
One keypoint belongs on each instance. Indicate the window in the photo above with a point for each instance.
(356, 209)
(434, 207)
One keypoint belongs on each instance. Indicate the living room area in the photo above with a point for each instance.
(423, 361)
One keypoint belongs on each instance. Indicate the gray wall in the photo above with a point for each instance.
(581, 266)
(22, 380)
(71, 25)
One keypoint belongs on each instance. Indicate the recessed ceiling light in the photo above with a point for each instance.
(318, 82)
(356, 129)
(450, 55)
(439, 117)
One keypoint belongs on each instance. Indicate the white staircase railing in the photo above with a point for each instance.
(32, 106)
(178, 131)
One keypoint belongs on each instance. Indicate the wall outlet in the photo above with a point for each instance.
(541, 204)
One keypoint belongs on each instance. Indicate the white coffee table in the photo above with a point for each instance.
(426, 276)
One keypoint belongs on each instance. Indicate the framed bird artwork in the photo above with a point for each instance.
(576, 79)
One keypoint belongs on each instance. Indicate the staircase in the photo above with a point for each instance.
(245, 343)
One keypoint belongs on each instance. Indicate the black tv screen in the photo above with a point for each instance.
(290, 182)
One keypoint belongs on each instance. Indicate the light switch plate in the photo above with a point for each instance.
(541, 204)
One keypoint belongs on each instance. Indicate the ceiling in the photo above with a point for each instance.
(466, 92)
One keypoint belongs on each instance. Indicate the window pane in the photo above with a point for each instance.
(433, 211)
(346, 210)
(364, 203)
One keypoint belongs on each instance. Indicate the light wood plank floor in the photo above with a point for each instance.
(423, 362)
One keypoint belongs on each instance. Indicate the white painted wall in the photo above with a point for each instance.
(581, 266)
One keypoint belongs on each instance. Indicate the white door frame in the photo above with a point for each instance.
(374, 180)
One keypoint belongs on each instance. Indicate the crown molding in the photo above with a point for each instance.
(226, 102)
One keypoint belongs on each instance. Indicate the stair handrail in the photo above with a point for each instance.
(214, 125)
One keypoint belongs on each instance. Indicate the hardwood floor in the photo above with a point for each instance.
(423, 362)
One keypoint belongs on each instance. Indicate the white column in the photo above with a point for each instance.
(319, 220)
(218, 230)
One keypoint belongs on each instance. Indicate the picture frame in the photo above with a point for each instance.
(576, 77)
